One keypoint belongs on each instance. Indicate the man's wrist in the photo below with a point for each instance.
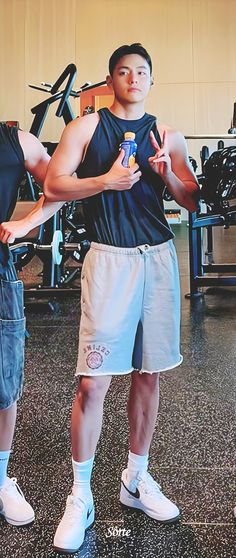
(102, 182)
(168, 177)
(28, 223)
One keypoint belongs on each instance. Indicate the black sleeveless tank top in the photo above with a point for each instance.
(11, 171)
(131, 217)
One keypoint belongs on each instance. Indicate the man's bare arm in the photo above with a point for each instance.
(41, 212)
(60, 184)
(36, 162)
(35, 155)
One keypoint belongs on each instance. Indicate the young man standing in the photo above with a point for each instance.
(19, 151)
(130, 283)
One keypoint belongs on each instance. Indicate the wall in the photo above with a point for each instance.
(192, 43)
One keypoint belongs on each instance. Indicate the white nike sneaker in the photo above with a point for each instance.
(145, 494)
(70, 533)
(13, 505)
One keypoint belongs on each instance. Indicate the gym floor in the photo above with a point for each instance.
(193, 451)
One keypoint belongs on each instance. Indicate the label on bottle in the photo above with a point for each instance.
(130, 149)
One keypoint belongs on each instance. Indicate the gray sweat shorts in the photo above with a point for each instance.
(12, 336)
(130, 310)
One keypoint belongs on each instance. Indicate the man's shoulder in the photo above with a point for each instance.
(33, 150)
(23, 136)
(174, 136)
(29, 141)
(27, 137)
(162, 127)
(87, 121)
(82, 127)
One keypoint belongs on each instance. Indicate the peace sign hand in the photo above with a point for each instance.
(161, 161)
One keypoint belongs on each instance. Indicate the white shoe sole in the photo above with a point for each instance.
(18, 523)
(62, 550)
(134, 503)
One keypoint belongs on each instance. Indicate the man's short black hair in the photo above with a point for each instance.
(135, 48)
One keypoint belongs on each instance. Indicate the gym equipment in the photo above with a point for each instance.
(64, 109)
(89, 109)
(28, 188)
(69, 219)
(198, 268)
(219, 172)
(55, 276)
(232, 130)
(211, 136)
(218, 188)
(57, 248)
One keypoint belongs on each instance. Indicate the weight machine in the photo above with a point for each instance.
(56, 279)
(218, 213)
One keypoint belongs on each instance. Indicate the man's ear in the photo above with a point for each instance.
(152, 81)
(109, 81)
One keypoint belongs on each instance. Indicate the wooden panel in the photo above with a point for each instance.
(171, 47)
(163, 26)
(12, 60)
(104, 101)
(98, 97)
(50, 47)
(214, 107)
(214, 40)
(190, 41)
(175, 106)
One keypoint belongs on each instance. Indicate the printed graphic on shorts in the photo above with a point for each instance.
(96, 355)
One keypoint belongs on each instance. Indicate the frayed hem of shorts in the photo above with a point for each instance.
(162, 369)
(91, 374)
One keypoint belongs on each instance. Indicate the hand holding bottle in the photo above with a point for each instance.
(120, 177)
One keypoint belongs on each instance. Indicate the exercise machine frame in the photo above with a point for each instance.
(198, 223)
(55, 278)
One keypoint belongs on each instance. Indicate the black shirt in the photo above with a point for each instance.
(131, 217)
(12, 169)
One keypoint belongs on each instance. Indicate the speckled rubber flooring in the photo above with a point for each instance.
(193, 451)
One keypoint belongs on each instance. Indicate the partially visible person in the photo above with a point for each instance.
(19, 151)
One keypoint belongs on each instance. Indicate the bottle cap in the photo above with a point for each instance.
(129, 135)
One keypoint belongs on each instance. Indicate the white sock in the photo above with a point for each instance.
(4, 458)
(136, 464)
(82, 477)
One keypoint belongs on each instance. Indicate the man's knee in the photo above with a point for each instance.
(92, 391)
(145, 380)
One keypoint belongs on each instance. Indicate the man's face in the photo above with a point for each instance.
(131, 79)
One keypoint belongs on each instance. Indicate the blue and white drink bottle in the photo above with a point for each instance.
(130, 147)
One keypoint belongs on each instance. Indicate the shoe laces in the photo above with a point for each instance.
(75, 507)
(12, 486)
(149, 485)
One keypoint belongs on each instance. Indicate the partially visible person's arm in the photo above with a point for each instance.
(172, 164)
(36, 162)
(41, 212)
(35, 155)
(60, 182)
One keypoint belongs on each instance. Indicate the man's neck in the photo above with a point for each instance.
(129, 111)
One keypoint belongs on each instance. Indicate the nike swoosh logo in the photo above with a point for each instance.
(89, 512)
(135, 494)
